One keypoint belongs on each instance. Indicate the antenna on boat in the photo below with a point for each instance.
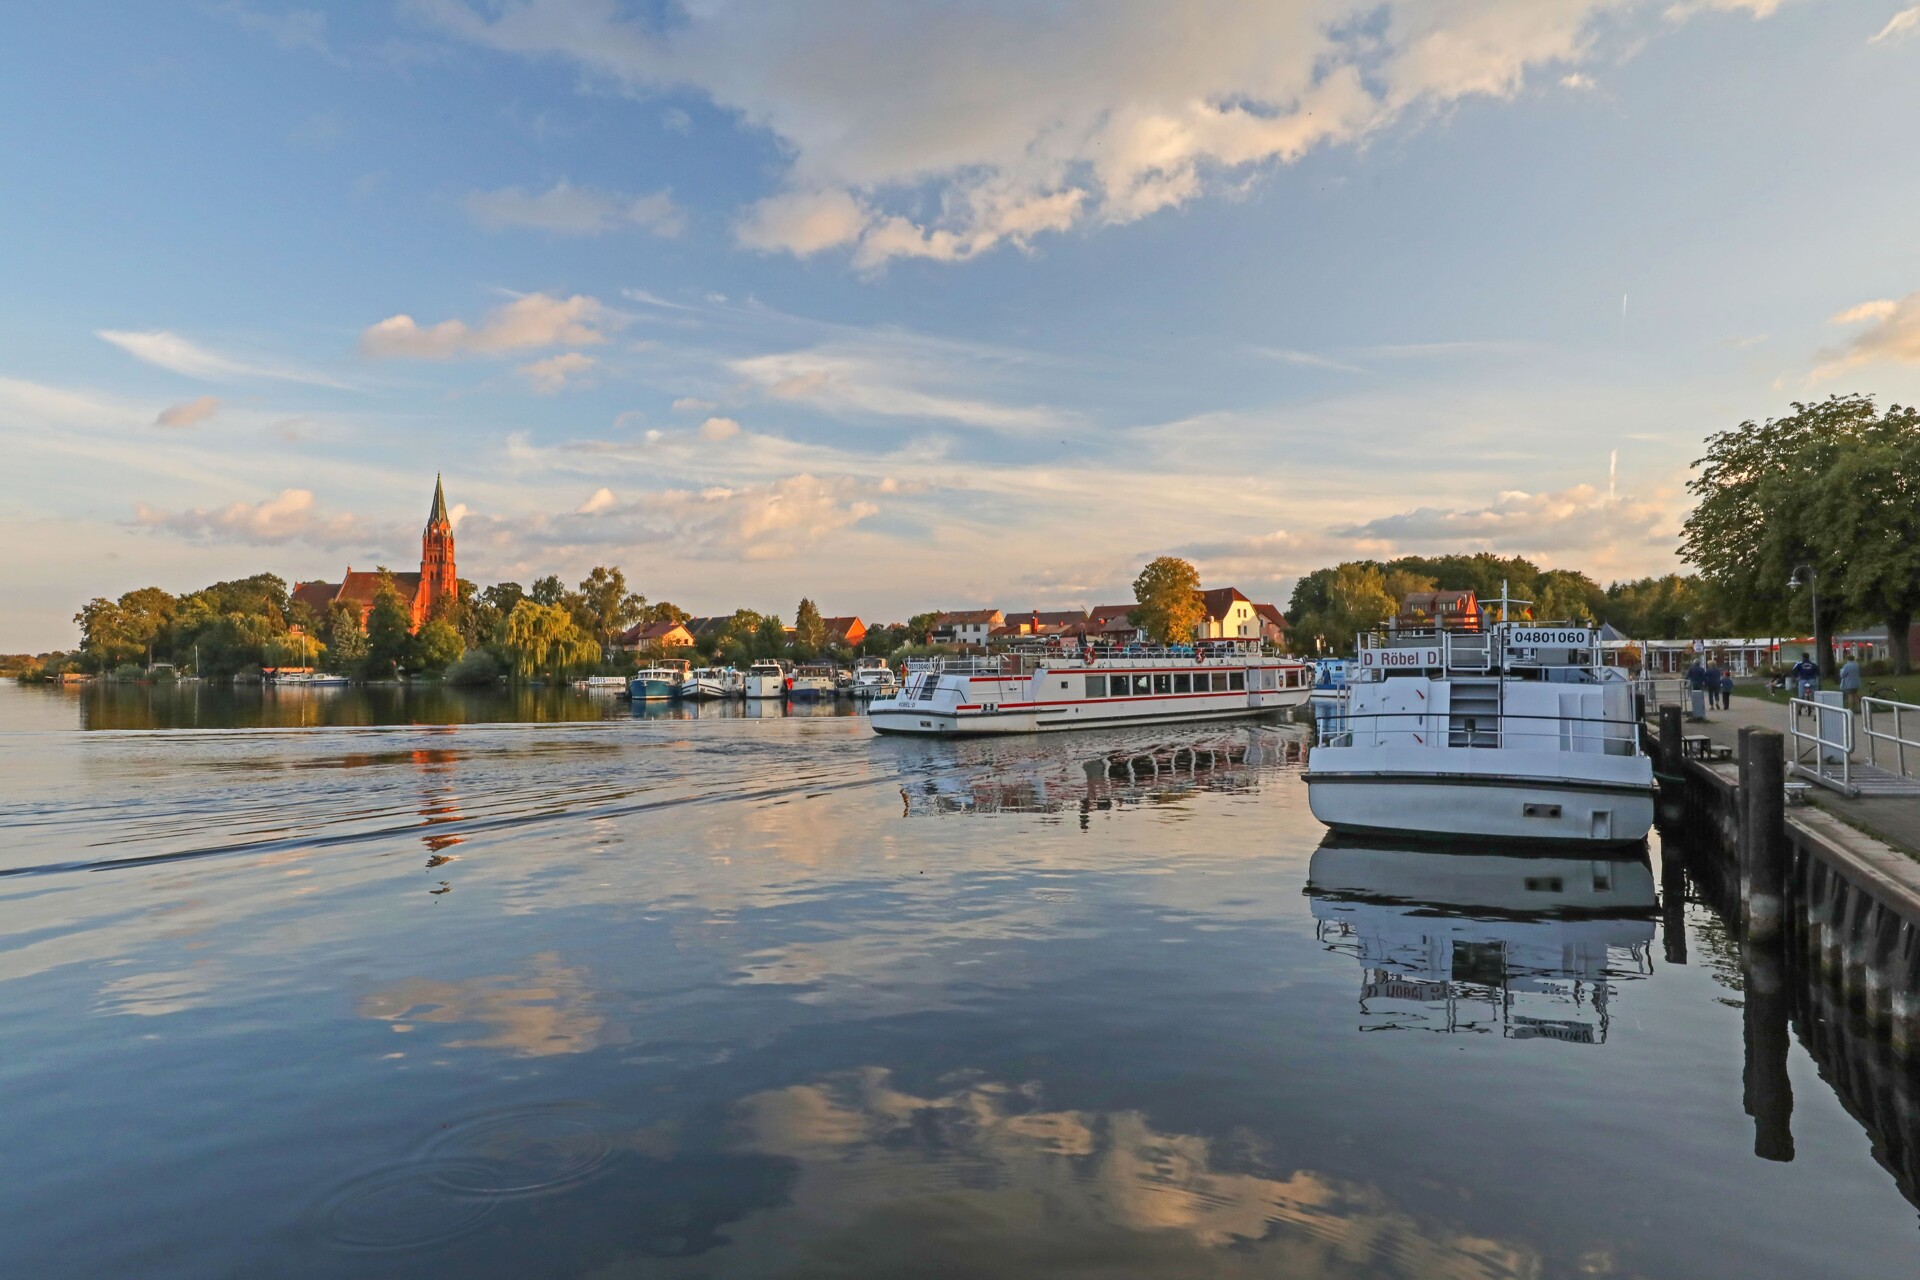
(1506, 602)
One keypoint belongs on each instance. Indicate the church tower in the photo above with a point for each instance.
(438, 576)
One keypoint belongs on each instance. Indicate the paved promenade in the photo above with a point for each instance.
(1893, 819)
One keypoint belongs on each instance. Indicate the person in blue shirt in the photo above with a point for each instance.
(1806, 676)
(1726, 688)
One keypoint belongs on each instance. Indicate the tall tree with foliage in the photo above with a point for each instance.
(438, 645)
(609, 607)
(770, 637)
(547, 590)
(544, 640)
(390, 642)
(809, 628)
(346, 640)
(1869, 504)
(1759, 488)
(1168, 605)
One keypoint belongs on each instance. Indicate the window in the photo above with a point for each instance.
(1063, 684)
(1096, 686)
(1143, 684)
(1183, 684)
(1219, 682)
(1163, 683)
(1237, 681)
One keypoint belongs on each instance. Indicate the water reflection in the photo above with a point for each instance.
(1529, 947)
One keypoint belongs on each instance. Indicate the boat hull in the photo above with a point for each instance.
(766, 686)
(652, 690)
(933, 724)
(1479, 795)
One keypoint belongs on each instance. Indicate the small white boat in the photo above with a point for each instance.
(326, 680)
(710, 682)
(873, 678)
(602, 684)
(812, 680)
(767, 678)
(1517, 733)
(659, 682)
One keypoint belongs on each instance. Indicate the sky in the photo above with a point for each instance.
(906, 306)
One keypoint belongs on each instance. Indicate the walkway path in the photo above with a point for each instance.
(1894, 819)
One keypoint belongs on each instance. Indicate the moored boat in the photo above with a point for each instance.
(1045, 691)
(873, 678)
(1516, 732)
(703, 683)
(660, 681)
(811, 680)
(767, 678)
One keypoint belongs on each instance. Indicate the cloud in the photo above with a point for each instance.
(1308, 359)
(690, 404)
(524, 324)
(602, 500)
(555, 373)
(892, 380)
(188, 413)
(1901, 25)
(568, 210)
(1892, 336)
(718, 429)
(915, 131)
(1521, 523)
(289, 516)
(170, 351)
(1577, 80)
(1754, 8)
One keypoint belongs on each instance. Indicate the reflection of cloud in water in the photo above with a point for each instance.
(983, 1181)
(150, 995)
(549, 1012)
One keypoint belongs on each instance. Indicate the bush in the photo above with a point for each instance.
(128, 671)
(1876, 667)
(476, 668)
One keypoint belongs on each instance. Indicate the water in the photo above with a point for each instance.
(565, 992)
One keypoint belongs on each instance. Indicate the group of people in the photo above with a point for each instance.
(1803, 677)
(1714, 680)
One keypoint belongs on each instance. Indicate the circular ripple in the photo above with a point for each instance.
(404, 1207)
(526, 1151)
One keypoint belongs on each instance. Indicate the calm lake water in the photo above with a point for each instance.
(527, 985)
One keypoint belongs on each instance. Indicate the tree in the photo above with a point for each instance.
(1869, 504)
(1755, 524)
(809, 629)
(1357, 601)
(769, 637)
(921, 625)
(665, 611)
(346, 639)
(547, 590)
(390, 641)
(1564, 595)
(438, 645)
(544, 640)
(608, 608)
(1169, 607)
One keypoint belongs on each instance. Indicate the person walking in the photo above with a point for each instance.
(1713, 685)
(1850, 683)
(1726, 688)
(1697, 690)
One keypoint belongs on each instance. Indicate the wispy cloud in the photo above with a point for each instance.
(564, 209)
(1308, 359)
(887, 380)
(181, 355)
(525, 324)
(289, 516)
(1520, 522)
(1892, 336)
(1901, 25)
(189, 413)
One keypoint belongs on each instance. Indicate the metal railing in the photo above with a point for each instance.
(1829, 741)
(1906, 723)
(1336, 728)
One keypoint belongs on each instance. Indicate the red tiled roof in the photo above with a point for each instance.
(991, 616)
(315, 595)
(1221, 599)
(844, 628)
(362, 588)
(1271, 613)
(1102, 612)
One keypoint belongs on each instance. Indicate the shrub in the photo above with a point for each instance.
(128, 671)
(1876, 667)
(476, 668)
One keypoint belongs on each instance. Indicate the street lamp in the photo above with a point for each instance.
(1813, 582)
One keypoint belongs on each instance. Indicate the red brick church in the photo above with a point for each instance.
(437, 577)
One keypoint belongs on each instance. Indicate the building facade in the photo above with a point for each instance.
(438, 578)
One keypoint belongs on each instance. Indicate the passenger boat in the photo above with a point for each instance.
(811, 680)
(1043, 691)
(767, 678)
(1516, 732)
(660, 681)
(710, 682)
(873, 678)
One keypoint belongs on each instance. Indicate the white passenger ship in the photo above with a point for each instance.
(1516, 732)
(1041, 691)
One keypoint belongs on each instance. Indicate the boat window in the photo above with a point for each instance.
(1219, 679)
(1143, 684)
(1183, 683)
(1096, 686)
(1236, 681)
(1163, 683)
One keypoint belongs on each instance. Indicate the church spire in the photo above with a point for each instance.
(439, 513)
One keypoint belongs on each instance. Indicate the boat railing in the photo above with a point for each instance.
(1608, 735)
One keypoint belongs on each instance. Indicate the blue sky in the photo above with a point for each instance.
(905, 307)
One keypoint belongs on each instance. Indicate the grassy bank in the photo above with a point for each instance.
(1899, 688)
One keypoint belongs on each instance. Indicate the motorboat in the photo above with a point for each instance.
(767, 678)
(710, 682)
(1043, 690)
(1508, 731)
(874, 678)
(811, 680)
(660, 681)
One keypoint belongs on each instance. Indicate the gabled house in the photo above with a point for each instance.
(1273, 623)
(967, 626)
(845, 631)
(1041, 622)
(1230, 616)
(1446, 610)
(655, 637)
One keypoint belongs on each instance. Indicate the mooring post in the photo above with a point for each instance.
(1742, 830)
(1763, 888)
(1671, 729)
(1767, 1089)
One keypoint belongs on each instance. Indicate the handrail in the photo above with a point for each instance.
(1869, 708)
(1337, 727)
(1803, 741)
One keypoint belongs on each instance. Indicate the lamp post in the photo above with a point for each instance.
(1813, 583)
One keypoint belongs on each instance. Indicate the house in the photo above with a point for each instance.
(708, 630)
(845, 631)
(1113, 629)
(1040, 622)
(1447, 610)
(655, 637)
(437, 579)
(967, 626)
(1273, 623)
(1229, 616)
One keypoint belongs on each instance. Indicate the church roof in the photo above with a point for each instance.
(315, 595)
(361, 588)
(439, 513)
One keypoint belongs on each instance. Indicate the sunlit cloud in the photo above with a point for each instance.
(289, 516)
(1900, 26)
(528, 323)
(189, 413)
(556, 373)
(170, 351)
(1891, 336)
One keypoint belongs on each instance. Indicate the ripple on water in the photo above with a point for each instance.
(408, 1206)
(524, 1151)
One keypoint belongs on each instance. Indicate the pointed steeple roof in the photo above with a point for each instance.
(439, 513)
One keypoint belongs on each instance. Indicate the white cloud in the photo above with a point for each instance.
(1901, 25)
(718, 429)
(691, 404)
(923, 131)
(1577, 80)
(1308, 359)
(1892, 335)
(290, 516)
(524, 324)
(565, 209)
(189, 413)
(885, 380)
(170, 351)
(602, 500)
(1522, 523)
(556, 373)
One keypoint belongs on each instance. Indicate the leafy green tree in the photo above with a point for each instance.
(1169, 607)
(920, 626)
(664, 611)
(1869, 504)
(809, 629)
(607, 607)
(438, 645)
(390, 641)
(544, 640)
(770, 637)
(346, 639)
(547, 590)
(1565, 595)
(476, 668)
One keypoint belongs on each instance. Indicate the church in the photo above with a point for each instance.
(437, 577)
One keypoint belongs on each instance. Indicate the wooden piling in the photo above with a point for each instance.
(1767, 1090)
(1672, 727)
(1763, 802)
